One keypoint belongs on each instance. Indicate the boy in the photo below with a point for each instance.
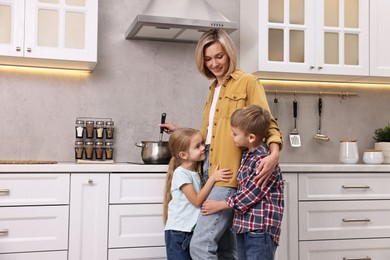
(258, 211)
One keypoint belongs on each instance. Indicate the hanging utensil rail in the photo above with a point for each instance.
(341, 94)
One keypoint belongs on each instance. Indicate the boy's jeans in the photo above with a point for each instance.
(177, 244)
(256, 245)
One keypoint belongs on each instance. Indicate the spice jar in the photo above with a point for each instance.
(79, 128)
(99, 129)
(109, 129)
(79, 149)
(88, 149)
(99, 150)
(90, 128)
(109, 150)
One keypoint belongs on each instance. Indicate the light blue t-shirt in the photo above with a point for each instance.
(182, 215)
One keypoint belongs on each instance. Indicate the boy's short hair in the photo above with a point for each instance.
(252, 119)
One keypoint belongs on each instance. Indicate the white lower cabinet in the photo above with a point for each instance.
(34, 216)
(118, 216)
(344, 216)
(358, 249)
(344, 219)
(33, 228)
(51, 255)
(136, 225)
(88, 217)
(288, 244)
(136, 228)
(152, 253)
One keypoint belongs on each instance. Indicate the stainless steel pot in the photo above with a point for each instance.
(154, 152)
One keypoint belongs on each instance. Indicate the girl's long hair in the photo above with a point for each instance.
(179, 141)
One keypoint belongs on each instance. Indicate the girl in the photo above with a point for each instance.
(183, 193)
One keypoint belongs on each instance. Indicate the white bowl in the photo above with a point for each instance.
(373, 157)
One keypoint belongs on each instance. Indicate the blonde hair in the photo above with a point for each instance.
(252, 119)
(179, 141)
(208, 38)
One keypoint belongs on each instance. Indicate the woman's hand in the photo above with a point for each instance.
(213, 206)
(267, 165)
(169, 127)
(222, 174)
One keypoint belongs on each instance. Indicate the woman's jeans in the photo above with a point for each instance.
(256, 245)
(212, 238)
(177, 245)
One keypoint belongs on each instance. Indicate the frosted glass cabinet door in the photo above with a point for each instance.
(342, 37)
(379, 38)
(305, 36)
(61, 29)
(288, 34)
(11, 27)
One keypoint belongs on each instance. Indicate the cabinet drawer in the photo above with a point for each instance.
(55, 255)
(33, 228)
(357, 249)
(34, 189)
(155, 253)
(137, 188)
(344, 219)
(342, 186)
(136, 225)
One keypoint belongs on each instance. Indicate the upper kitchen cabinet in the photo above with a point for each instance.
(305, 37)
(49, 33)
(379, 38)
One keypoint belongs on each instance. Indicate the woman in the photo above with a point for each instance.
(216, 59)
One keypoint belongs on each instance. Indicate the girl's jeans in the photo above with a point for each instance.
(177, 245)
(256, 245)
(212, 238)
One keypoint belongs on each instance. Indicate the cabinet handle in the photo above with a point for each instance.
(312, 67)
(319, 67)
(28, 49)
(90, 182)
(349, 220)
(3, 232)
(355, 187)
(18, 48)
(4, 191)
(361, 258)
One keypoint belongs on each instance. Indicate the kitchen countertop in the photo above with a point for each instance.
(72, 167)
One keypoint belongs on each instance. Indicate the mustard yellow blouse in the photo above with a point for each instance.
(239, 90)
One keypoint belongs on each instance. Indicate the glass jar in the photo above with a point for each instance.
(90, 128)
(99, 129)
(79, 128)
(109, 150)
(79, 149)
(88, 150)
(109, 129)
(99, 150)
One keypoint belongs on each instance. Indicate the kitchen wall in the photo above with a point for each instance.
(135, 81)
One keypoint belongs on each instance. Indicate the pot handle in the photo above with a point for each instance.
(140, 145)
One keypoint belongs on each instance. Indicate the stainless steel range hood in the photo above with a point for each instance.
(177, 21)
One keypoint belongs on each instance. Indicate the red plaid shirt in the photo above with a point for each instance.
(257, 208)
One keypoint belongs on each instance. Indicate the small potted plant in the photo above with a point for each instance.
(382, 141)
